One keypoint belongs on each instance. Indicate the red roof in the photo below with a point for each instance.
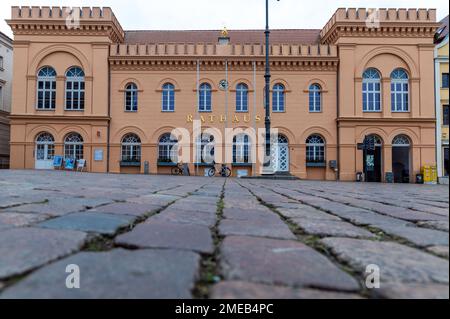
(211, 36)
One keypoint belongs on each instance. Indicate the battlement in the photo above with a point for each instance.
(383, 16)
(211, 50)
(59, 15)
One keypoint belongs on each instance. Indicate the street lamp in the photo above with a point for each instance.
(267, 76)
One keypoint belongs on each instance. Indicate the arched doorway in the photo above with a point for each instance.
(373, 160)
(280, 154)
(45, 151)
(401, 159)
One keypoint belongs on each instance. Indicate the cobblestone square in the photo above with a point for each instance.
(142, 236)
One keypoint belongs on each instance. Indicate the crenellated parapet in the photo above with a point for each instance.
(66, 20)
(354, 22)
(185, 54)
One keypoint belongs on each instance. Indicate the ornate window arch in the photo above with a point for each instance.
(167, 149)
(371, 87)
(131, 148)
(315, 98)
(75, 89)
(241, 149)
(131, 97)
(315, 149)
(401, 141)
(205, 98)
(73, 146)
(399, 91)
(45, 146)
(278, 98)
(168, 97)
(242, 97)
(46, 89)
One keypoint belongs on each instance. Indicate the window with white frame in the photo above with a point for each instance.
(242, 97)
(131, 148)
(1, 62)
(205, 149)
(399, 91)
(205, 103)
(241, 149)
(315, 98)
(315, 149)
(168, 150)
(75, 89)
(168, 97)
(45, 147)
(371, 87)
(73, 146)
(131, 98)
(278, 98)
(46, 89)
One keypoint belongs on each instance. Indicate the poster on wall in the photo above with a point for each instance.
(370, 163)
(98, 155)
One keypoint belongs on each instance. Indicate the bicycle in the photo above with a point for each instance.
(225, 171)
(178, 170)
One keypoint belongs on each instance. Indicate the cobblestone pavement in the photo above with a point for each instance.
(188, 237)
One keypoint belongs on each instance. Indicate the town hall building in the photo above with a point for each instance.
(87, 89)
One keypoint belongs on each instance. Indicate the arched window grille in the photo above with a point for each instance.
(168, 97)
(315, 149)
(315, 98)
(45, 146)
(131, 98)
(131, 148)
(278, 98)
(46, 89)
(399, 91)
(168, 150)
(75, 87)
(205, 102)
(241, 149)
(73, 146)
(242, 98)
(371, 88)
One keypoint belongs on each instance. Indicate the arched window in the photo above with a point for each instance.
(131, 148)
(168, 97)
(73, 146)
(46, 89)
(168, 150)
(278, 100)
(371, 91)
(205, 148)
(45, 147)
(205, 104)
(399, 91)
(75, 89)
(241, 149)
(315, 149)
(315, 98)
(131, 97)
(401, 141)
(242, 97)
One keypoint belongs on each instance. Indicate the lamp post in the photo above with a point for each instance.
(267, 76)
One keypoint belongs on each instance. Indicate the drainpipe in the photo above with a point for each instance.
(338, 144)
(109, 116)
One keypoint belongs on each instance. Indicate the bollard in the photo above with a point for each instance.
(146, 168)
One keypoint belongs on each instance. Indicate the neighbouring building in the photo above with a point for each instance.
(87, 89)
(6, 63)
(442, 111)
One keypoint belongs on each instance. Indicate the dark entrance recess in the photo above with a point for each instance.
(372, 159)
(401, 154)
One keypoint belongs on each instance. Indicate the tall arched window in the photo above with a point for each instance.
(242, 97)
(241, 149)
(131, 148)
(205, 148)
(371, 91)
(278, 100)
(168, 150)
(205, 103)
(75, 89)
(131, 97)
(315, 98)
(315, 149)
(46, 89)
(168, 97)
(73, 146)
(45, 147)
(399, 91)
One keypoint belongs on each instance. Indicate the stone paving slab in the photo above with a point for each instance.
(418, 236)
(105, 224)
(250, 214)
(9, 220)
(331, 228)
(207, 208)
(281, 262)
(438, 225)
(162, 234)
(117, 274)
(270, 228)
(441, 251)
(154, 199)
(132, 209)
(413, 291)
(398, 263)
(247, 290)
(24, 249)
(187, 217)
(306, 212)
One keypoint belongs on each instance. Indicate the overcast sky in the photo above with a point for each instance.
(215, 14)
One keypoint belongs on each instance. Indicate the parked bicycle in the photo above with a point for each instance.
(177, 170)
(224, 171)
